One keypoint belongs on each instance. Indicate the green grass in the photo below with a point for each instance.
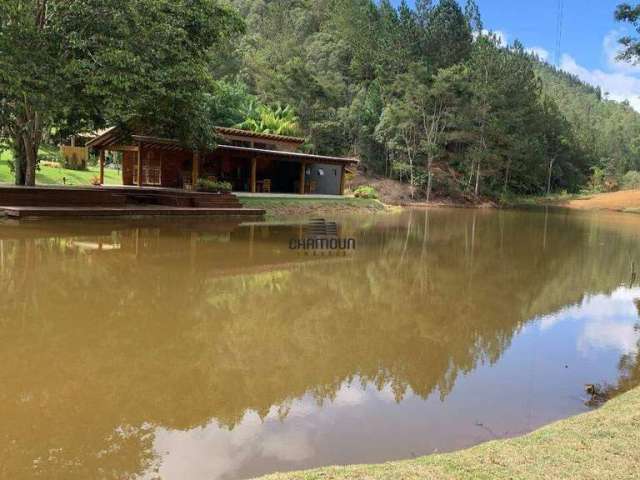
(53, 176)
(306, 206)
(602, 444)
(553, 199)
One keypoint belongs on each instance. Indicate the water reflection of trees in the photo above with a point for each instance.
(175, 327)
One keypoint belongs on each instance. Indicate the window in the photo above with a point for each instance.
(151, 171)
(152, 174)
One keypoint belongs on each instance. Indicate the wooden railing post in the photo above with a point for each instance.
(101, 167)
(254, 166)
(139, 159)
(195, 170)
(303, 168)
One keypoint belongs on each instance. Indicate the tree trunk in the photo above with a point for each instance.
(31, 156)
(551, 162)
(473, 169)
(19, 160)
(506, 177)
(477, 190)
(429, 179)
(411, 178)
(31, 135)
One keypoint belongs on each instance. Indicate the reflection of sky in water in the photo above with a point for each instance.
(607, 322)
(538, 379)
(214, 452)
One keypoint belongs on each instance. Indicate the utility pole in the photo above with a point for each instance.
(559, 28)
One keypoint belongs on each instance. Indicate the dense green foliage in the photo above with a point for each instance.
(626, 13)
(366, 192)
(214, 186)
(88, 63)
(278, 120)
(425, 96)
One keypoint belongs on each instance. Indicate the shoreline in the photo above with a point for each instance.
(601, 444)
(305, 207)
(624, 201)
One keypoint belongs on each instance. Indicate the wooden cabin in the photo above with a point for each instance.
(250, 161)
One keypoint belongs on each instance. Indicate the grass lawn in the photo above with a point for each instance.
(598, 445)
(308, 206)
(553, 199)
(53, 176)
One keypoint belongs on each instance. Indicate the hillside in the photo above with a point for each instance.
(609, 131)
(426, 97)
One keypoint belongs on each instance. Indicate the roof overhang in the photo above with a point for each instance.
(290, 156)
(114, 138)
(108, 138)
(237, 132)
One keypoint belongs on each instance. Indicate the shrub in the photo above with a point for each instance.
(631, 180)
(596, 182)
(204, 185)
(95, 181)
(366, 191)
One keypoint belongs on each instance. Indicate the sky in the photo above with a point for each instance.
(588, 43)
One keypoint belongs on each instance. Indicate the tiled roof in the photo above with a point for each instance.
(265, 136)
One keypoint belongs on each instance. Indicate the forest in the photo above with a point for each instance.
(423, 94)
(428, 96)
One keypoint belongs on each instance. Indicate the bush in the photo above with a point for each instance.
(596, 181)
(204, 185)
(631, 180)
(366, 191)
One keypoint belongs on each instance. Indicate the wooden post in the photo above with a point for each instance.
(253, 175)
(342, 173)
(195, 170)
(101, 167)
(303, 168)
(139, 159)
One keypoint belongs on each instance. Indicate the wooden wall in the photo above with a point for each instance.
(172, 163)
(128, 158)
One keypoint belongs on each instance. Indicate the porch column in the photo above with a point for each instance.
(303, 168)
(101, 167)
(195, 170)
(139, 160)
(254, 163)
(343, 171)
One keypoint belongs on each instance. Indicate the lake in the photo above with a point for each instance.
(210, 349)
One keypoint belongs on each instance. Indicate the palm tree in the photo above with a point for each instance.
(277, 120)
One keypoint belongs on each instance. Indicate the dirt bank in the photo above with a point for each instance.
(393, 192)
(623, 201)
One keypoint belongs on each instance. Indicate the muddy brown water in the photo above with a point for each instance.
(208, 349)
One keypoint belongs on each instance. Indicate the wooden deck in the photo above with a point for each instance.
(21, 202)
